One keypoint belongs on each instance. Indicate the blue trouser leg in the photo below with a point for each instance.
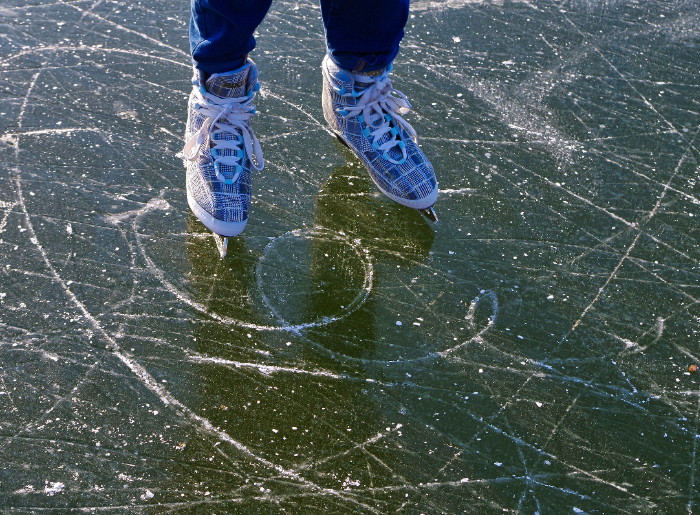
(221, 32)
(361, 35)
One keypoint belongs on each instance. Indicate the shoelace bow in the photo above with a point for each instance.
(379, 107)
(223, 116)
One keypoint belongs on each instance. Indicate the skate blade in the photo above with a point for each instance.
(221, 244)
(430, 214)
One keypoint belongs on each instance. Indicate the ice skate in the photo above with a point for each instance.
(366, 116)
(222, 150)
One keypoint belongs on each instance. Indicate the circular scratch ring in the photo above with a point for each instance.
(309, 233)
(356, 303)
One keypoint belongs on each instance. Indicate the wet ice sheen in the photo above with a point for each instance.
(528, 355)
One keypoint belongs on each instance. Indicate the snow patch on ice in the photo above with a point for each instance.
(54, 488)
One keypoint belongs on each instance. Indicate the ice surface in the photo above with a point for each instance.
(528, 354)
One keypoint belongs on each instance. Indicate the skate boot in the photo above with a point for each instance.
(221, 150)
(366, 116)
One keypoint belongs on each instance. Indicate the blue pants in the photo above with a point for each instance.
(361, 35)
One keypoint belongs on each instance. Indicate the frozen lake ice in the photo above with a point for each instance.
(528, 354)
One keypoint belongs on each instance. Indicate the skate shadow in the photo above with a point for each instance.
(350, 204)
(221, 285)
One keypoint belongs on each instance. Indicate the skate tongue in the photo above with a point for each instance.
(375, 73)
(363, 80)
(230, 84)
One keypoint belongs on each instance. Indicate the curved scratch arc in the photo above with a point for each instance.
(199, 422)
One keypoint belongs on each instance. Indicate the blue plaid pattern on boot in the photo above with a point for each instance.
(364, 112)
(220, 149)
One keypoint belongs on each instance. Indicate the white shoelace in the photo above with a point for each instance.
(223, 115)
(378, 107)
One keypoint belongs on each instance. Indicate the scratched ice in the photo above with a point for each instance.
(529, 354)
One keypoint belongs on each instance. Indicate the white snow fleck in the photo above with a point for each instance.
(350, 482)
(69, 229)
(498, 464)
(147, 495)
(550, 297)
(53, 488)
(464, 480)
(398, 322)
(456, 39)
(538, 404)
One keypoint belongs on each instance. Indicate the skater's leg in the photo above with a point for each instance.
(221, 32)
(221, 151)
(361, 105)
(363, 35)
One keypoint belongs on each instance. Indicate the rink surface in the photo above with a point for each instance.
(528, 354)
